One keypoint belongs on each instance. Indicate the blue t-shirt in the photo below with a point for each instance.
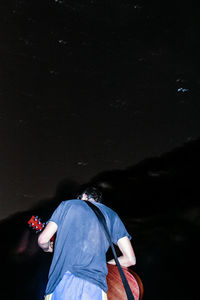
(81, 244)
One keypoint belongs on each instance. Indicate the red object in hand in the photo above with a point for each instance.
(37, 225)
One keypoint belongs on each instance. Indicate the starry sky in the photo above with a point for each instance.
(91, 88)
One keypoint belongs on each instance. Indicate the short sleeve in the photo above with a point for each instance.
(119, 230)
(57, 214)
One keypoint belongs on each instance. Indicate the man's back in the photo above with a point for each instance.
(81, 244)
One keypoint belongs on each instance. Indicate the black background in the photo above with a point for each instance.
(102, 93)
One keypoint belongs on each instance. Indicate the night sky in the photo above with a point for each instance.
(103, 93)
(91, 87)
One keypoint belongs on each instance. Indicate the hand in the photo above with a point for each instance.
(50, 249)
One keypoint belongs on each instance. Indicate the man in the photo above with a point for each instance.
(78, 269)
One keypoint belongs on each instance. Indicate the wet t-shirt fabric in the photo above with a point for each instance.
(81, 244)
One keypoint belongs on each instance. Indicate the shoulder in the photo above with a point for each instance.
(72, 203)
(108, 211)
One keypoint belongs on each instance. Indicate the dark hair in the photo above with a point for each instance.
(92, 193)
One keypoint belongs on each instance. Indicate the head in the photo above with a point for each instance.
(92, 194)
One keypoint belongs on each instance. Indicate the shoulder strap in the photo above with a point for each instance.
(102, 221)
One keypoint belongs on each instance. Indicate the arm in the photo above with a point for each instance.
(46, 235)
(127, 258)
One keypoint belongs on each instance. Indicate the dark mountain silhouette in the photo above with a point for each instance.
(156, 185)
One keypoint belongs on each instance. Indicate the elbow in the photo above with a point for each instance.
(132, 261)
(41, 241)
